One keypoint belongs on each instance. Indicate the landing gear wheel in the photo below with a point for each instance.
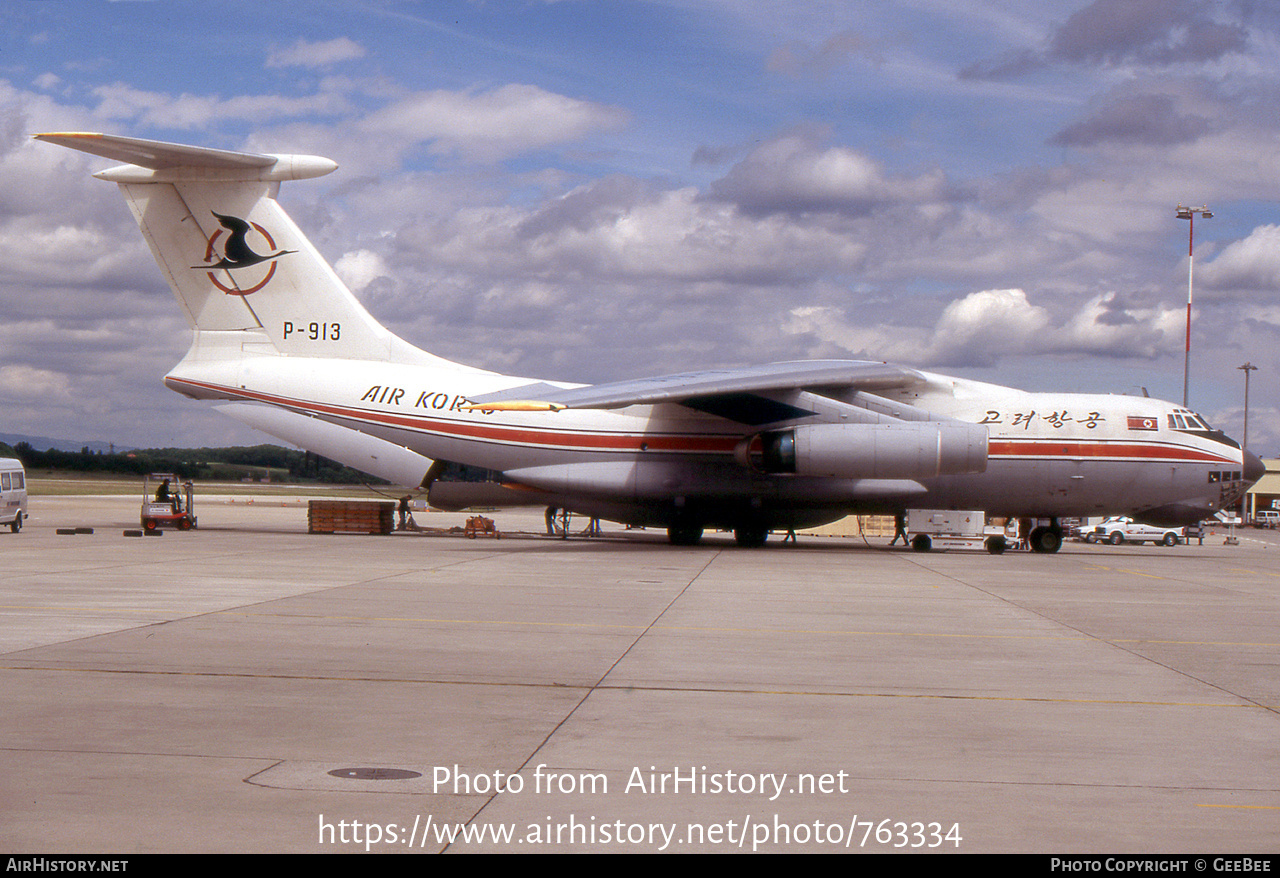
(1046, 540)
(684, 534)
(750, 537)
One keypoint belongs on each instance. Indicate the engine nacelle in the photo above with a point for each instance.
(914, 450)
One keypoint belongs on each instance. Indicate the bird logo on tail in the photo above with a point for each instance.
(236, 253)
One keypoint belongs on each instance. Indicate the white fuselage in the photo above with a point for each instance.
(1050, 454)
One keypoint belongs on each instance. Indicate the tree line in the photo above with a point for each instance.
(258, 462)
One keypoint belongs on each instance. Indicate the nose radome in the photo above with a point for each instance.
(1254, 468)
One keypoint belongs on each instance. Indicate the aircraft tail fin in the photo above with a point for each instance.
(247, 279)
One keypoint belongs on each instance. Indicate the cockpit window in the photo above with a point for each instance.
(1193, 424)
(1187, 421)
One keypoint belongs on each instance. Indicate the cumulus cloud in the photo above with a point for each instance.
(1112, 33)
(494, 124)
(1152, 119)
(360, 268)
(805, 59)
(120, 102)
(988, 326)
(1252, 263)
(619, 229)
(1152, 31)
(984, 326)
(304, 53)
(794, 174)
(1107, 326)
(20, 382)
(64, 253)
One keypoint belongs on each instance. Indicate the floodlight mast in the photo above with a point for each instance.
(1244, 442)
(1189, 214)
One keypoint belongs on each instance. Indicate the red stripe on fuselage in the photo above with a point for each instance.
(1056, 448)
(699, 443)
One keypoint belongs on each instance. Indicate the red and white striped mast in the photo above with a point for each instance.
(1189, 214)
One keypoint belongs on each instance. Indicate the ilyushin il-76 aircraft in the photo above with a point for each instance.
(281, 340)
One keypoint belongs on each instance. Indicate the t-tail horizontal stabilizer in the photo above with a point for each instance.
(247, 279)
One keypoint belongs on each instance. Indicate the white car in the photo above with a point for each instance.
(1125, 530)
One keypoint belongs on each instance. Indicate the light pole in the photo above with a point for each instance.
(1189, 214)
(1246, 368)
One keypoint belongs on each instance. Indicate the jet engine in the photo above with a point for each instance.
(905, 450)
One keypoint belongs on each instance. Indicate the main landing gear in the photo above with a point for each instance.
(684, 534)
(1046, 539)
(749, 536)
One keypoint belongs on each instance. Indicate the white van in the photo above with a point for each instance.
(13, 493)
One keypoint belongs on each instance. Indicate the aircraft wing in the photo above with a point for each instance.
(698, 388)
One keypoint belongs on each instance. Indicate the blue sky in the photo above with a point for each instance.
(599, 190)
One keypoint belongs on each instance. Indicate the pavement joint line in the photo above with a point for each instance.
(635, 687)
(1239, 807)
(599, 684)
(521, 623)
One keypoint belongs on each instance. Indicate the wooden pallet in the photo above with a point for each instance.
(350, 516)
(478, 524)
